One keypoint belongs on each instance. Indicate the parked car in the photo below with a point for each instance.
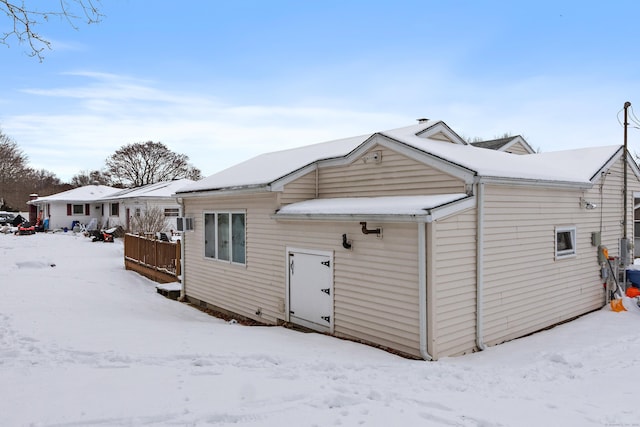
(6, 218)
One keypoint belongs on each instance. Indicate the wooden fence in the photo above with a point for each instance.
(153, 258)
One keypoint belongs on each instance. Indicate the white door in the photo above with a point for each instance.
(311, 289)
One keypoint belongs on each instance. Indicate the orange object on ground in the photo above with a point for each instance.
(617, 306)
(633, 292)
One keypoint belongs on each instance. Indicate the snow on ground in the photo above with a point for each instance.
(85, 343)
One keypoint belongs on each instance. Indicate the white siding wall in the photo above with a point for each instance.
(144, 205)
(59, 219)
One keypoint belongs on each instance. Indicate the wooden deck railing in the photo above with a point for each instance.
(153, 258)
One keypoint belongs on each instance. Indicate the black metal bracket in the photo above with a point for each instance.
(365, 230)
(345, 243)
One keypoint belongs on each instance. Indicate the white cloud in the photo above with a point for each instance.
(106, 111)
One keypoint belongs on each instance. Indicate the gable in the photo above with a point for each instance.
(378, 171)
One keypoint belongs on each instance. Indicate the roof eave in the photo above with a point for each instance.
(528, 182)
(258, 188)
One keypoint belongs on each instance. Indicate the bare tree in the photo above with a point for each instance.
(148, 162)
(87, 177)
(13, 162)
(151, 220)
(24, 19)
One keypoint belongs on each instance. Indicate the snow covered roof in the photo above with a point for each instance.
(572, 166)
(370, 206)
(163, 189)
(85, 194)
(268, 167)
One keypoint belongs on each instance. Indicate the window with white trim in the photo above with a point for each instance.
(78, 209)
(171, 211)
(225, 236)
(115, 209)
(565, 242)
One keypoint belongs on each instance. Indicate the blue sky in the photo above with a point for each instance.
(222, 81)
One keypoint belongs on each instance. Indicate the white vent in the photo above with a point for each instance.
(184, 223)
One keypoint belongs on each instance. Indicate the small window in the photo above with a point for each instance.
(115, 209)
(78, 209)
(137, 213)
(565, 242)
(224, 236)
(171, 211)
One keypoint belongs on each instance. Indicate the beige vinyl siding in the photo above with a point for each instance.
(517, 148)
(303, 188)
(238, 288)
(455, 279)
(375, 284)
(395, 175)
(525, 287)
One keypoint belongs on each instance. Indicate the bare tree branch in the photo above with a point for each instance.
(24, 20)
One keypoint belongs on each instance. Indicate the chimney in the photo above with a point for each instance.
(422, 120)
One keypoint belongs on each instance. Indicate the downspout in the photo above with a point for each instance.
(422, 289)
(479, 264)
(183, 293)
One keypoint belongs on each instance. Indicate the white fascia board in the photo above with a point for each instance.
(224, 192)
(446, 166)
(429, 215)
(452, 208)
(278, 185)
(518, 139)
(441, 127)
(607, 165)
(351, 217)
(409, 151)
(524, 182)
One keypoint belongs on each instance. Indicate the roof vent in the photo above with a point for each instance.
(422, 120)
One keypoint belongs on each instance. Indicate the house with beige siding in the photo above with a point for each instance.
(410, 239)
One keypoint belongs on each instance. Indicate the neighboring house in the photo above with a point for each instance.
(110, 206)
(121, 207)
(78, 205)
(410, 239)
(512, 144)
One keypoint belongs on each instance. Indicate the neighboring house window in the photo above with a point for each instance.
(225, 236)
(171, 211)
(137, 212)
(76, 209)
(115, 209)
(565, 242)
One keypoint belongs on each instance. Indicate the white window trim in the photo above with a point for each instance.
(215, 225)
(73, 210)
(171, 212)
(567, 253)
(111, 205)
